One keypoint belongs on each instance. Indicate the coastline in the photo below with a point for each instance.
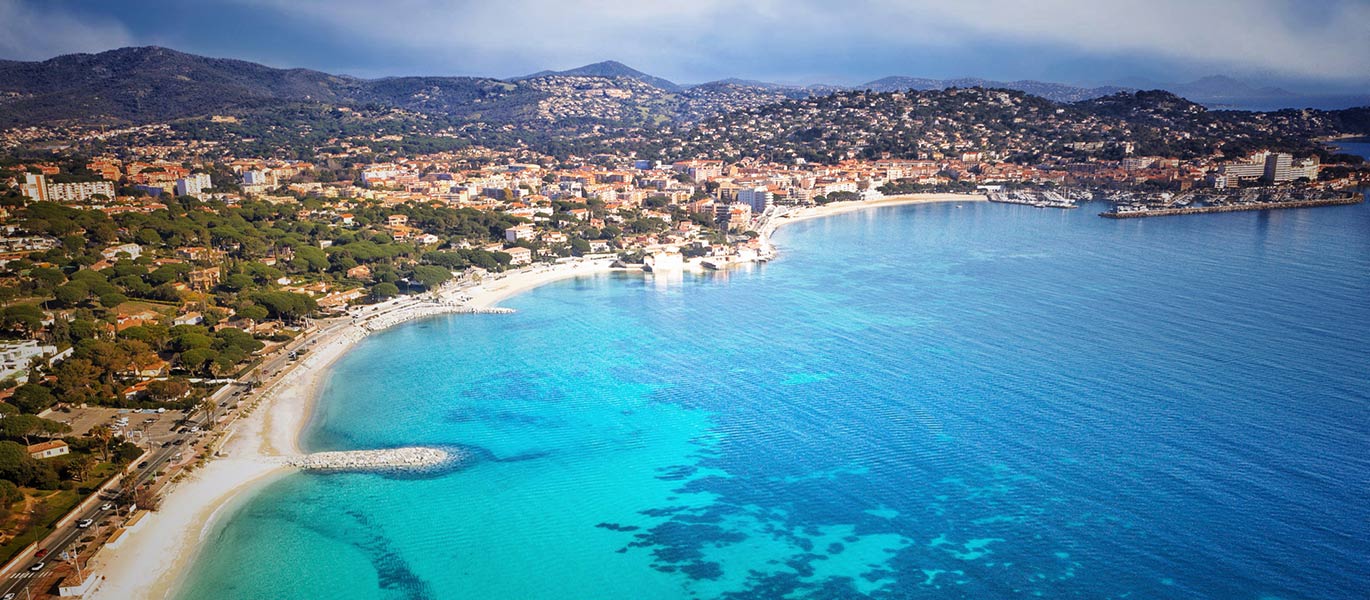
(259, 444)
(153, 561)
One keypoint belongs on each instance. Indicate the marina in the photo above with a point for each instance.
(1039, 199)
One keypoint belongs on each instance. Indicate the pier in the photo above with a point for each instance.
(1120, 213)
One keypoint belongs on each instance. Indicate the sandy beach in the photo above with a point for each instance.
(837, 208)
(152, 560)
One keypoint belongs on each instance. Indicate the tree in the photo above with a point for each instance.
(112, 299)
(286, 305)
(103, 436)
(78, 381)
(9, 493)
(195, 360)
(190, 341)
(382, 291)
(253, 313)
(32, 398)
(15, 463)
(164, 390)
(21, 319)
(309, 258)
(431, 276)
(27, 426)
(72, 294)
(78, 467)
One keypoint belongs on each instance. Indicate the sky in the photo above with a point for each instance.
(1309, 45)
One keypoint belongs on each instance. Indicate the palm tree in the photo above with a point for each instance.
(104, 435)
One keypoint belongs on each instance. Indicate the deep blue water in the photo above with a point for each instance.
(941, 401)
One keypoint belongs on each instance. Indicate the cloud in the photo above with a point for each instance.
(1280, 36)
(38, 33)
(715, 37)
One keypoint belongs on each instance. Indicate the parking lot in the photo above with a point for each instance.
(134, 425)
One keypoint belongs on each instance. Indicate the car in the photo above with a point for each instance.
(84, 523)
(40, 553)
(142, 465)
(166, 444)
(107, 506)
(38, 566)
(178, 443)
(9, 596)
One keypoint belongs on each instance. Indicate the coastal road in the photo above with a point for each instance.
(67, 537)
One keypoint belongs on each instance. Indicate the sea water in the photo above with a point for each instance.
(941, 401)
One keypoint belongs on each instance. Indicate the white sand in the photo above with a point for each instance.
(837, 208)
(150, 562)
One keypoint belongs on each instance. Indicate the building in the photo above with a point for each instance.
(1270, 167)
(16, 358)
(258, 178)
(759, 198)
(113, 252)
(48, 449)
(518, 232)
(82, 191)
(193, 184)
(35, 186)
(519, 255)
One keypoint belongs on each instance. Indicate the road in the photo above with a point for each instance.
(19, 580)
(68, 536)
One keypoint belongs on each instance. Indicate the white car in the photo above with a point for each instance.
(107, 506)
(84, 523)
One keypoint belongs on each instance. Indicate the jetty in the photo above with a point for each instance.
(1126, 212)
(394, 459)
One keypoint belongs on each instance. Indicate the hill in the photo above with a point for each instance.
(609, 69)
(1051, 91)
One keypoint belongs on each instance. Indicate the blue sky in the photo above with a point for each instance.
(1310, 44)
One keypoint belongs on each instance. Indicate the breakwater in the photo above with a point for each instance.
(394, 459)
(1196, 210)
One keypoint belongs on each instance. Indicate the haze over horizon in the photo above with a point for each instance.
(1310, 49)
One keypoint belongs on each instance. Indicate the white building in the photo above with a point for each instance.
(518, 232)
(193, 184)
(81, 191)
(258, 178)
(16, 358)
(35, 186)
(759, 198)
(112, 252)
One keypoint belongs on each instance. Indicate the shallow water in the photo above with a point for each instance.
(960, 401)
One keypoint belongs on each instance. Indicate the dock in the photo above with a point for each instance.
(1138, 213)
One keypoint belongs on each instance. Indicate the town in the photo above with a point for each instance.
(154, 282)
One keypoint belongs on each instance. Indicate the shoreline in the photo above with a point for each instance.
(259, 444)
(774, 223)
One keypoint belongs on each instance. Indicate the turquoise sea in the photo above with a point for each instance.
(937, 401)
